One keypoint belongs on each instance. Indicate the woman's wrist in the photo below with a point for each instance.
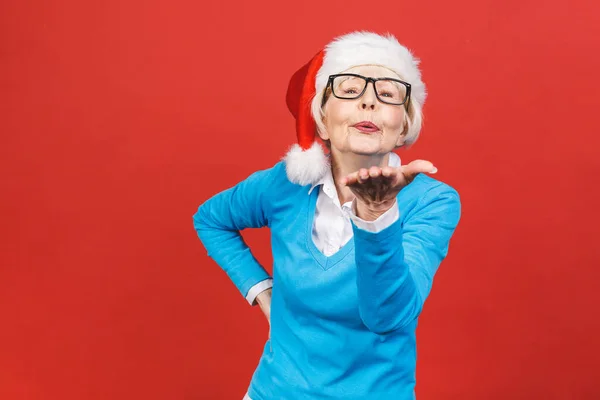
(370, 212)
(264, 297)
(264, 302)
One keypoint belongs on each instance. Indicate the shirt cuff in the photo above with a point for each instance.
(384, 221)
(258, 289)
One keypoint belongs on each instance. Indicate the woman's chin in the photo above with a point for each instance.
(365, 145)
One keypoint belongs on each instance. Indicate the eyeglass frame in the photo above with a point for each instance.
(406, 101)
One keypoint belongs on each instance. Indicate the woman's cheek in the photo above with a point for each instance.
(395, 120)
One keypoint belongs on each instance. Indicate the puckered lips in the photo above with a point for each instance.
(366, 127)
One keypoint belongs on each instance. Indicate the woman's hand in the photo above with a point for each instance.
(376, 188)
(264, 302)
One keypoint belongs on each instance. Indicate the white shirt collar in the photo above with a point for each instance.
(329, 185)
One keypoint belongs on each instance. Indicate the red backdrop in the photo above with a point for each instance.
(119, 118)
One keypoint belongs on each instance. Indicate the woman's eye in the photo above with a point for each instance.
(386, 94)
(350, 91)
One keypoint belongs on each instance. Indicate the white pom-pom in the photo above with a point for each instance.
(306, 167)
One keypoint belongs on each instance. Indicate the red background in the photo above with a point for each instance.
(119, 118)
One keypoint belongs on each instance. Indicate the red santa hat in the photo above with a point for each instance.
(306, 163)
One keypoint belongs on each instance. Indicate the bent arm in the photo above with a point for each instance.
(396, 266)
(218, 223)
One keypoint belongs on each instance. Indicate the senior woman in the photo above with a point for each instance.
(356, 236)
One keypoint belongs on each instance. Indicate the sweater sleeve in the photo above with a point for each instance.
(220, 219)
(396, 266)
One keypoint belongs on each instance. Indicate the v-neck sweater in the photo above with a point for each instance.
(342, 326)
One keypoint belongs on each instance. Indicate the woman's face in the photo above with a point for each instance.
(341, 116)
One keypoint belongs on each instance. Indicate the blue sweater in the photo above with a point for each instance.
(341, 326)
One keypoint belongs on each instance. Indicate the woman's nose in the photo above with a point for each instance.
(368, 100)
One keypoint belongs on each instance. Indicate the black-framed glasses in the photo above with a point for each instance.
(352, 86)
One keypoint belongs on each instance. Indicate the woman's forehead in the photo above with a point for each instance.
(373, 70)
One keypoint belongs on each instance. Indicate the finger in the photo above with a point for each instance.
(374, 172)
(389, 172)
(416, 167)
(350, 179)
(363, 175)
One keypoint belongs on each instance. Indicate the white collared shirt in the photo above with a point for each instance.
(332, 227)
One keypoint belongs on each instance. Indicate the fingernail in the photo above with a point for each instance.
(433, 171)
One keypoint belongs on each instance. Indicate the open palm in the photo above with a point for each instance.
(377, 187)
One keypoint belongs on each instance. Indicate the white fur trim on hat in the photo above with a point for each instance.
(306, 167)
(363, 48)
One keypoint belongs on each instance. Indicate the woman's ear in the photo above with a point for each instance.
(321, 130)
(323, 135)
